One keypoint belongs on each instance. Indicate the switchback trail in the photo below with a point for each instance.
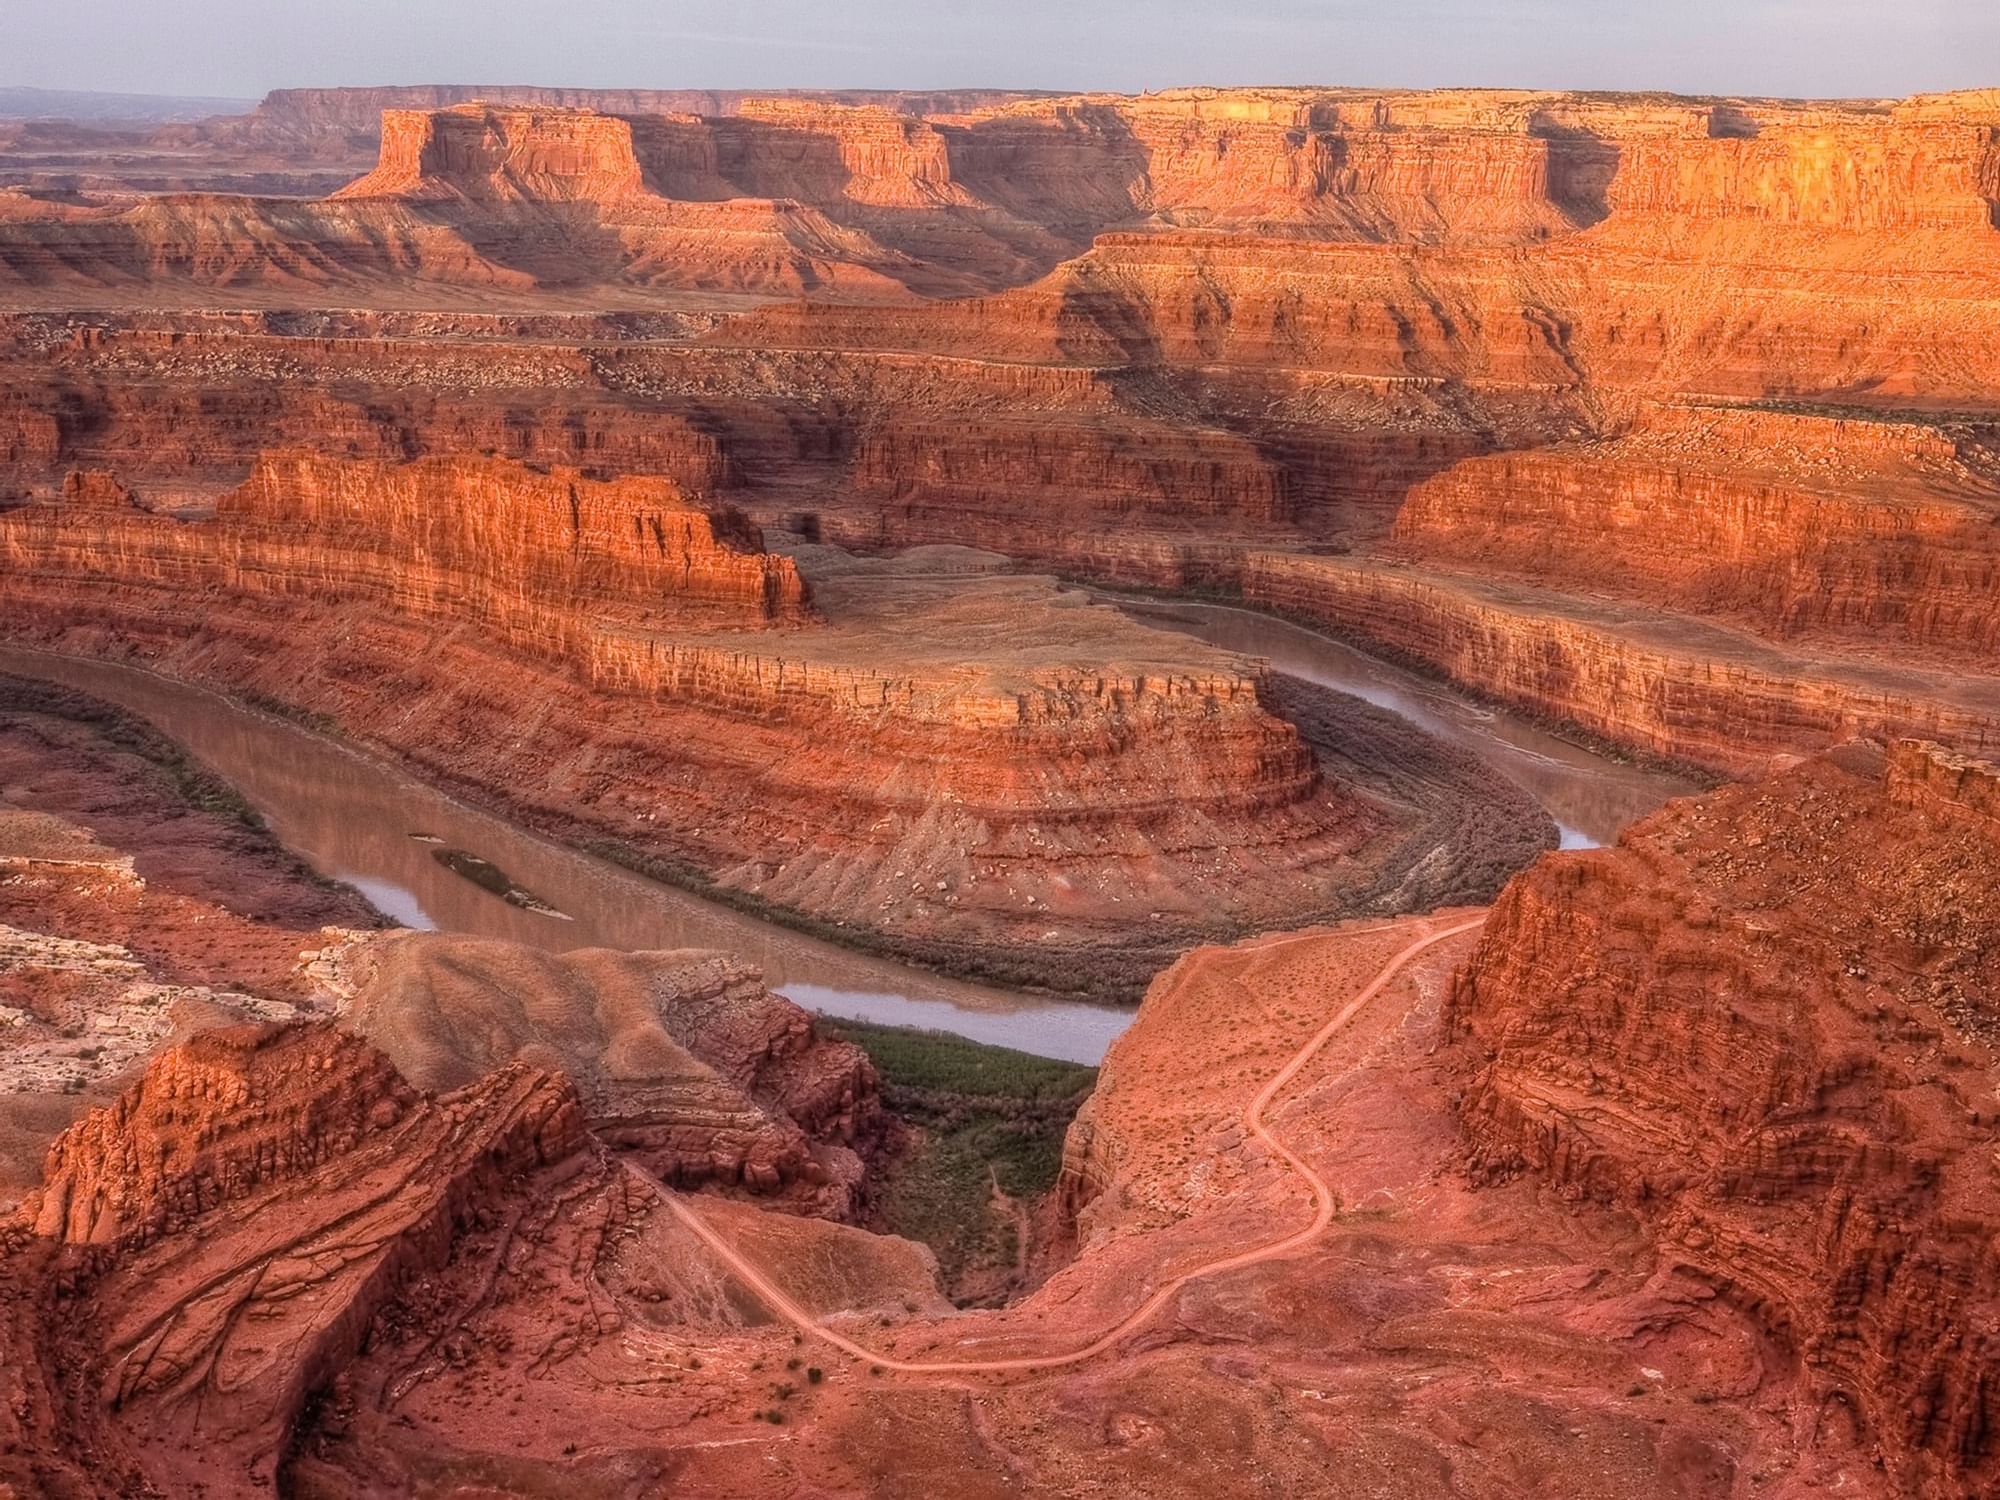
(1253, 1121)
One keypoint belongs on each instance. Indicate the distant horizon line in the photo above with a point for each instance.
(252, 100)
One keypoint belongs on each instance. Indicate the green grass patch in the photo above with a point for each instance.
(981, 1116)
(908, 1057)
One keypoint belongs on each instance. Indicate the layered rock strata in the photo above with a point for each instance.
(139, 901)
(463, 1289)
(1015, 770)
(1842, 531)
(1309, 318)
(1674, 685)
(942, 194)
(272, 1233)
(1763, 1023)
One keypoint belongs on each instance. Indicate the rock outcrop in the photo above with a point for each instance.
(545, 560)
(990, 191)
(256, 1200)
(1676, 420)
(185, 1140)
(140, 900)
(1763, 1023)
(684, 1061)
(467, 538)
(486, 155)
(263, 1211)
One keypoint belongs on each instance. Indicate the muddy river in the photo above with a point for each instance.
(410, 848)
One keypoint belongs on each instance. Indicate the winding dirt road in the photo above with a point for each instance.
(780, 1302)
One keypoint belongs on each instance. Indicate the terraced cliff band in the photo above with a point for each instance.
(974, 770)
(1148, 340)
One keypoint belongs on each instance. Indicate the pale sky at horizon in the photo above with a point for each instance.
(241, 48)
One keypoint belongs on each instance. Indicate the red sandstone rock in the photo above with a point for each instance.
(185, 1139)
(1317, 335)
(490, 156)
(461, 1297)
(258, 1197)
(1000, 190)
(537, 558)
(682, 1060)
(1674, 685)
(136, 906)
(1306, 314)
(494, 537)
(96, 488)
(1803, 528)
(1762, 1023)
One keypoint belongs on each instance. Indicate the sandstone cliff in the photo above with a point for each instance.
(488, 537)
(1762, 1023)
(490, 156)
(534, 557)
(130, 1172)
(864, 195)
(1674, 685)
(1802, 527)
(513, 201)
(1639, 355)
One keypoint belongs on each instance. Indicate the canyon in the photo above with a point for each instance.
(826, 504)
(1021, 783)
(1204, 340)
(1566, 1155)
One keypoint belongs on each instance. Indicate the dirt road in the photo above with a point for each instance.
(1253, 1121)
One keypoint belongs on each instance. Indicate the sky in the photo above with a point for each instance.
(240, 48)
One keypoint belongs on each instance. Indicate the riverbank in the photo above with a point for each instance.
(1384, 856)
(355, 817)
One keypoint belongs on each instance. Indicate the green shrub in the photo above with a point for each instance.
(984, 1116)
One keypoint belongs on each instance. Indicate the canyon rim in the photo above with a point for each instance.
(574, 659)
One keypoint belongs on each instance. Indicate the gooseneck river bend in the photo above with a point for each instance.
(362, 820)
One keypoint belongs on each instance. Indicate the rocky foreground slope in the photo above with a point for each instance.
(142, 902)
(219, 1190)
(1674, 1180)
